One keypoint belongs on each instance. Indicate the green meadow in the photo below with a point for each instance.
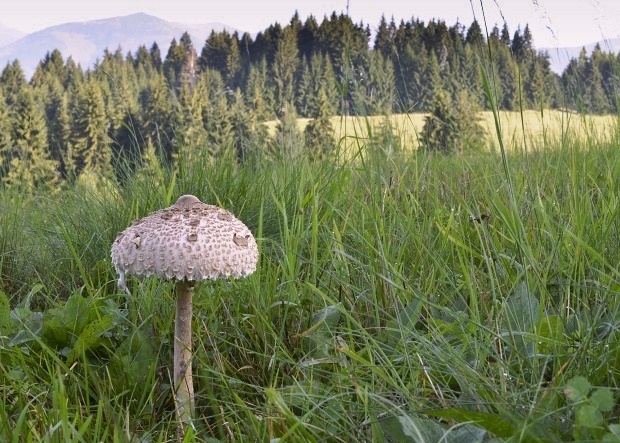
(399, 296)
(527, 130)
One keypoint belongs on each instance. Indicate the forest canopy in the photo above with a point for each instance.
(134, 108)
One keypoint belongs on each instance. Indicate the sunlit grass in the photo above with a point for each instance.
(393, 289)
(530, 130)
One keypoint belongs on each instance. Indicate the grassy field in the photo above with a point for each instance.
(529, 130)
(399, 297)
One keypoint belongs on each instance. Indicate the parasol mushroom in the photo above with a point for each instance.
(188, 242)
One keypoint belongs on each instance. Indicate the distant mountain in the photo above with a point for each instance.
(560, 57)
(86, 41)
(8, 35)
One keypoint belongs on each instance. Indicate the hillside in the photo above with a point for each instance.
(9, 35)
(560, 57)
(86, 41)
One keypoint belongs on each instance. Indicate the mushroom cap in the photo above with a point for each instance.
(189, 240)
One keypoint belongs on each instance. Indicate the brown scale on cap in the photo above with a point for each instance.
(190, 240)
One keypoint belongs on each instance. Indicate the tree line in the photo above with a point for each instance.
(139, 108)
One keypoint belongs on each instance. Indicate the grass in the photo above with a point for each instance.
(529, 130)
(399, 297)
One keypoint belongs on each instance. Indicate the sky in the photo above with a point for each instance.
(554, 23)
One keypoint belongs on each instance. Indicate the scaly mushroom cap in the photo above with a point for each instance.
(189, 240)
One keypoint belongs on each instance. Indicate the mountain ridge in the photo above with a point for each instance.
(560, 57)
(9, 35)
(86, 41)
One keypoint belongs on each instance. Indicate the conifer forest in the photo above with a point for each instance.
(134, 108)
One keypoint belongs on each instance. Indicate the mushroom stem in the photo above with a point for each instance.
(183, 385)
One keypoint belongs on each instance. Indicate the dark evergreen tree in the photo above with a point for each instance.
(289, 140)
(285, 67)
(304, 97)
(51, 67)
(181, 64)
(429, 84)
(308, 38)
(189, 129)
(384, 38)
(474, 35)
(259, 96)
(319, 133)
(31, 166)
(91, 143)
(156, 122)
(12, 81)
(156, 57)
(451, 127)
(6, 139)
(58, 125)
(221, 53)
(505, 35)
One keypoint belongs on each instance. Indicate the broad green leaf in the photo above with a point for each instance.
(27, 324)
(577, 388)
(132, 361)
(77, 312)
(521, 310)
(401, 327)
(405, 429)
(55, 328)
(326, 319)
(588, 416)
(5, 315)
(613, 435)
(25, 303)
(90, 337)
(550, 327)
(493, 423)
(465, 434)
(602, 399)
(549, 332)
(318, 340)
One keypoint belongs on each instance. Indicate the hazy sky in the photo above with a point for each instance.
(553, 22)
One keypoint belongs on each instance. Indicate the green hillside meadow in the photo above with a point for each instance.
(400, 296)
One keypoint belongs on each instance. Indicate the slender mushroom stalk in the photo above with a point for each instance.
(188, 242)
(182, 366)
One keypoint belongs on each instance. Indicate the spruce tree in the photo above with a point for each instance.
(216, 119)
(51, 67)
(319, 133)
(285, 67)
(384, 37)
(31, 166)
(451, 127)
(221, 53)
(189, 129)
(12, 81)
(156, 120)
(58, 125)
(308, 38)
(6, 139)
(92, 151)
(181, 63)
(288, 143)
(382, 85)
(259, 95)
(155, 53)
(249, 134)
